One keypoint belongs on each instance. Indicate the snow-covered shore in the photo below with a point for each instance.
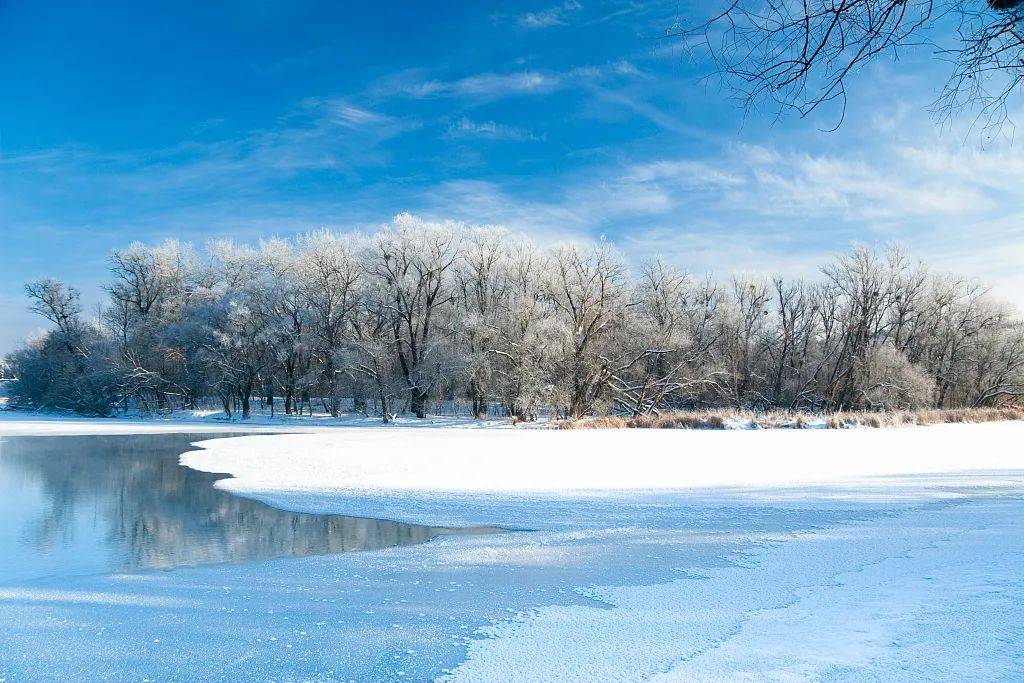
(403, 473)
(25, 423)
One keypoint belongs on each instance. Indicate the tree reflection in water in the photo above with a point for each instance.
(152, 512)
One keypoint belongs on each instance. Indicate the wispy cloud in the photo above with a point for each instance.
(551, 16)
(690, 174)
(896, 186)
(349, 115)
(757, 209)
(881, 189)
(488, 85)
(491, 85)
(489, 130)
(486, 202)
(320, 134)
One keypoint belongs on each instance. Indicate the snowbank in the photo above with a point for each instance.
(28, 424)
(557, 461)
(21, 423)
(540, 479)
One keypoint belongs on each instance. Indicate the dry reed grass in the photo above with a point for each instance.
(928, 416)
(722, 418)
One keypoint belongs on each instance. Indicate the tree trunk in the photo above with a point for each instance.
(246, 407)
(479, 399)
(332, 388)
(418, 402)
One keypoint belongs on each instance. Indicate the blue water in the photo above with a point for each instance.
(75, 505)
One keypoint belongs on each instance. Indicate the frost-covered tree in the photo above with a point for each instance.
(520, 353)
(481, 290)
(66, 367)
(330, 277)
(237, 331)
(426, 314)
(590, 294)
(666, 340)
(151, 288)
(413, 262)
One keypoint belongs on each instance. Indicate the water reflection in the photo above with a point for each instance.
(83, 504)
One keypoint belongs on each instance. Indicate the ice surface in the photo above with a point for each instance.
(875, 601)
(783, 558)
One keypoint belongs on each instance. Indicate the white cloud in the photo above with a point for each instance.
(348, 115)
(626, 68)
(485, 202)
(683, 173)
(487, 85)
(724, 250)
(959, 207)
(493, 86)
(760, 210)
(551, 16)
(319, 134)
(489, 130)
(897, 185)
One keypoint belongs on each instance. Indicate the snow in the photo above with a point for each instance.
(891, 554)
(598, 460)
(820, 606)
(27, 423)
(403, 474)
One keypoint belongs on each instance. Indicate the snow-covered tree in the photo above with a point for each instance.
(424, 313)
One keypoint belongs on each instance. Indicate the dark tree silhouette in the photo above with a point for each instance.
(799, 54)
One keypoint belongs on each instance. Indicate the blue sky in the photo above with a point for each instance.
(572, 120)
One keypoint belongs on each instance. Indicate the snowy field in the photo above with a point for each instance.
(24, 423)
(825, 555)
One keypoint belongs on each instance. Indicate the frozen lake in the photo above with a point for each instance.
(908, 577)
(75, 505)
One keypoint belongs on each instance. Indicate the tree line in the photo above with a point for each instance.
(422, 313)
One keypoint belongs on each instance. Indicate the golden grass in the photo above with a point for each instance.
(718, 419)
(927, 416)
(688, 419)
